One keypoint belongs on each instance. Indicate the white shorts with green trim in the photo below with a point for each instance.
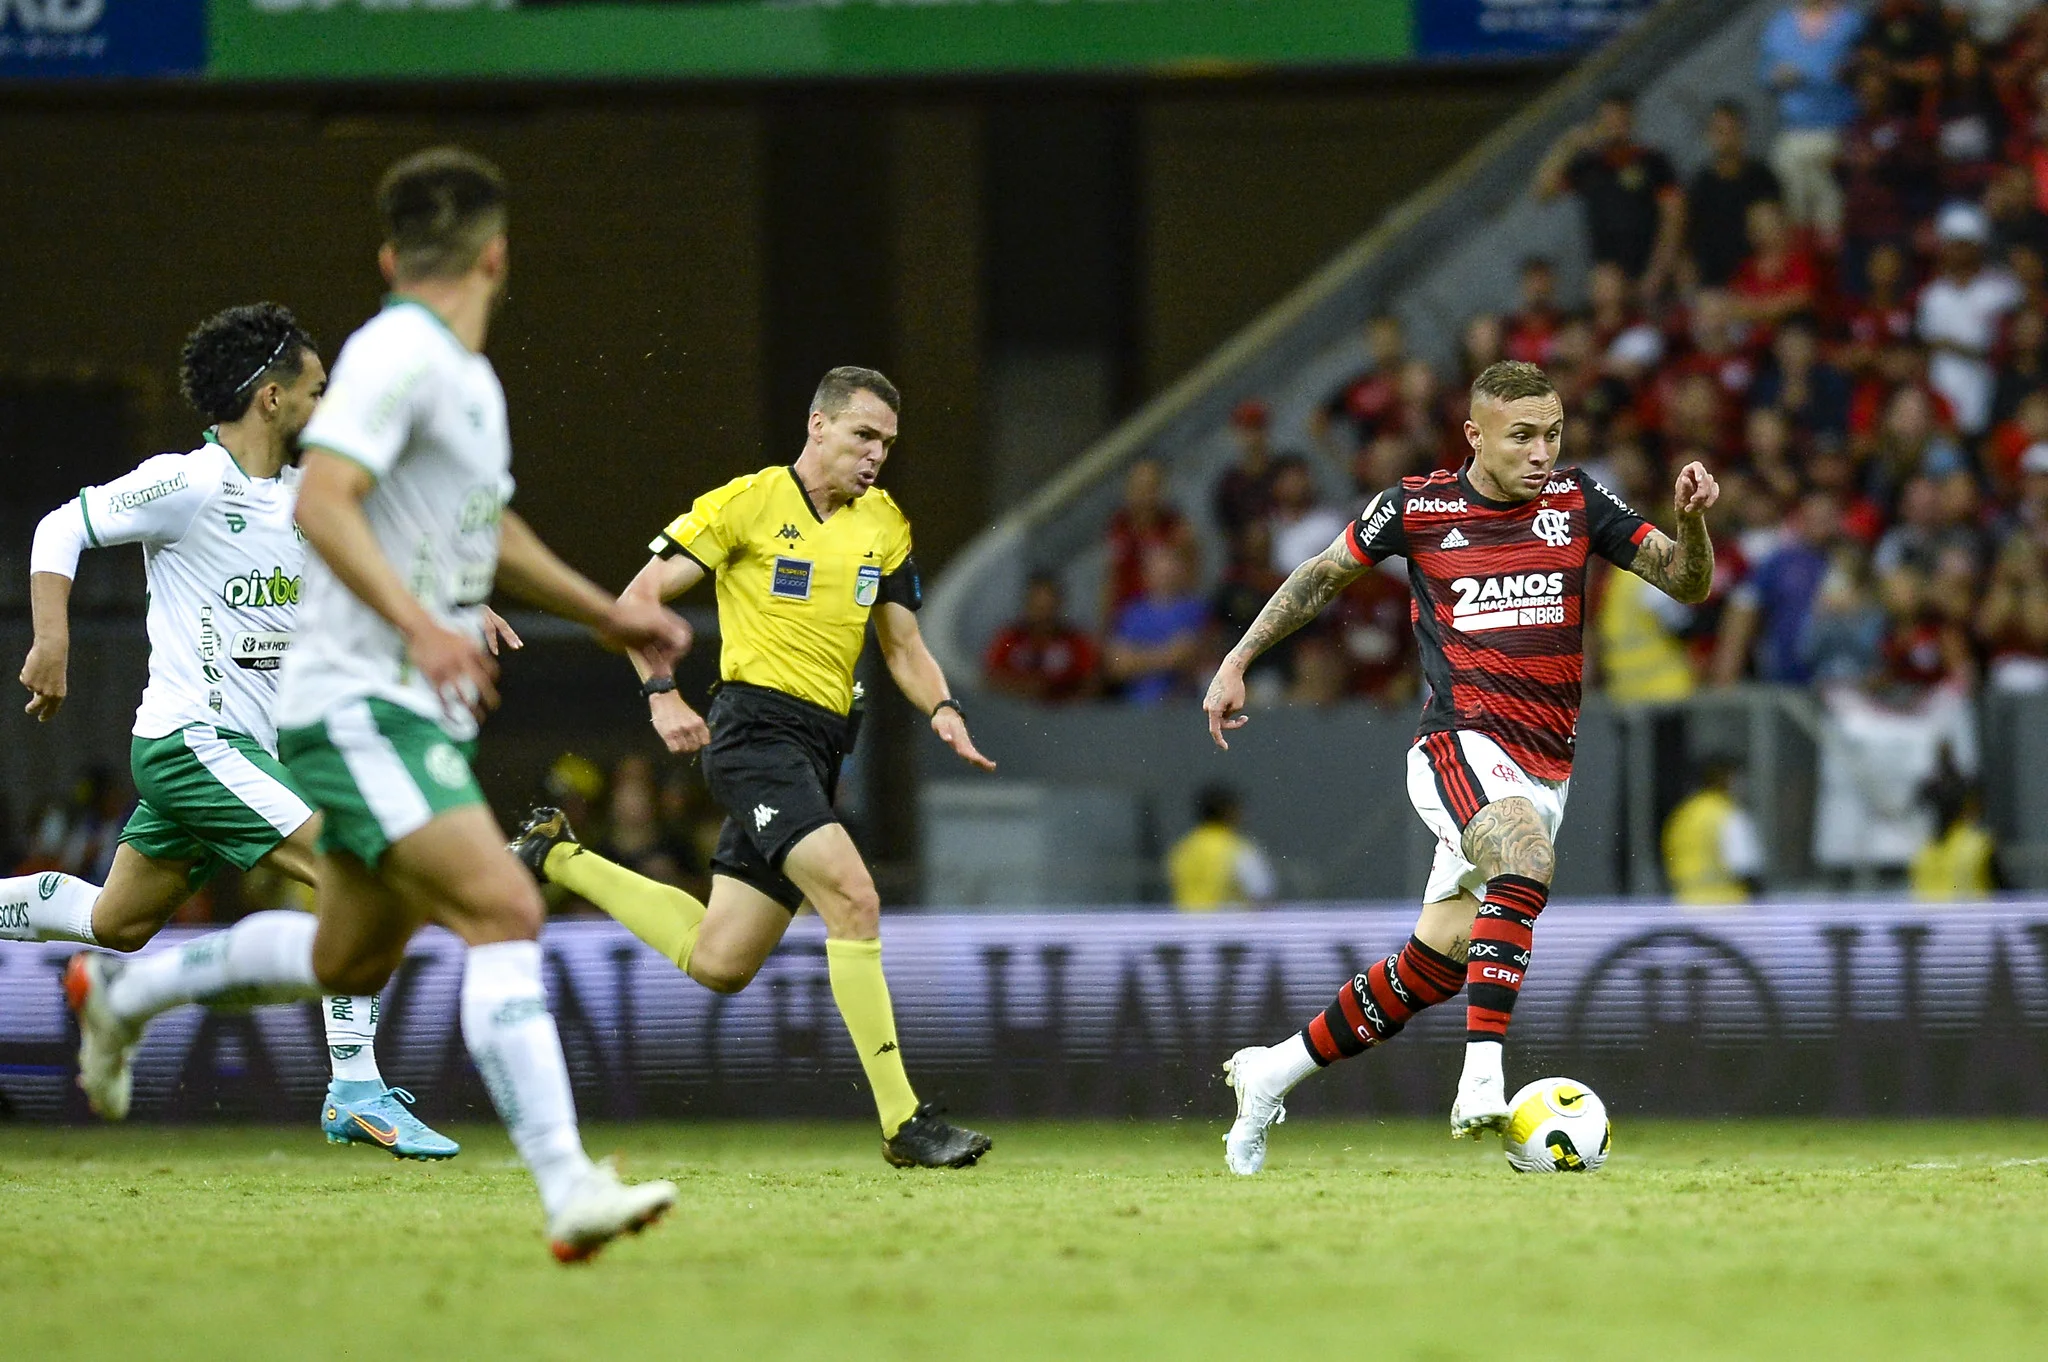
(378, 772)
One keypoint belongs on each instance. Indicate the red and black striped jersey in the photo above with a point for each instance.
(1500, 601)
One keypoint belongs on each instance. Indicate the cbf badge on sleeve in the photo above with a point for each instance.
(867, 585)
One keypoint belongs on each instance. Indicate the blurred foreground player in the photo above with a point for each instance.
(804, 554)
(407, 476)
(224, 565)
(1497, 554)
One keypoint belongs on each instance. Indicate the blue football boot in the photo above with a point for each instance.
(372, 1114)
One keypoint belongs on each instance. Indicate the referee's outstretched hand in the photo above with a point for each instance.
(952, 731)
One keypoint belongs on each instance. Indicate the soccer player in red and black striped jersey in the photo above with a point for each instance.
(1497, 555)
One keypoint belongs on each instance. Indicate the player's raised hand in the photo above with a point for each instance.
(44, 674)
(682, 729)
(1696, 489)
(952, 731)
(457, 667)
(660, 636)
(498, 634)
(1224, 704)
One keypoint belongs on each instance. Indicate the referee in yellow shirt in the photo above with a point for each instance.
(803, 555)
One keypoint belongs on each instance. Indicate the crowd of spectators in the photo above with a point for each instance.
(1849, 326)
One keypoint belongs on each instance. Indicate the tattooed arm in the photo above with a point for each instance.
(1683, 568)
(1300, 599)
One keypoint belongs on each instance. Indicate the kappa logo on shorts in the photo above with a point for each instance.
(792, 580)
(763, 816)
(867, 584)
(446, 766)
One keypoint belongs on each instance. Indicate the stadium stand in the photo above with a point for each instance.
(1800, 242)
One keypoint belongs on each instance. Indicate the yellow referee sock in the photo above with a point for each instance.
(863, 998)
(660, 914)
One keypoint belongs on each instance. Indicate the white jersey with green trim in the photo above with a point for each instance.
(425, 416)
(224, 563)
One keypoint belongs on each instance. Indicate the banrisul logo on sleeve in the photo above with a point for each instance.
(257, 590)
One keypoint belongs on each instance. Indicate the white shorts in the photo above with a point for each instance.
(1451, 777)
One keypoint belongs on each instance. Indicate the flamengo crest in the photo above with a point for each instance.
(1554, 528)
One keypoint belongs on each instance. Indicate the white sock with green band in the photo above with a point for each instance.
(47, 907)
(512, 1038)
(352, 1038)
(264, 958)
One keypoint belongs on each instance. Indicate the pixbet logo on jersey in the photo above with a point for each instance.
(1504, 602)
(258, 590)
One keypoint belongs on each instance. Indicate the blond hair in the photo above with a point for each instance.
(1511, 380)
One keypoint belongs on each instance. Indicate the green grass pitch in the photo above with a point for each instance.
(1367, 1241)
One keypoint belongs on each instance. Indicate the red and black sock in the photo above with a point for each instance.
(1375, 1005)
(1502, 936)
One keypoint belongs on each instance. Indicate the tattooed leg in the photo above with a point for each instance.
(1507, 838)
(1446, 926)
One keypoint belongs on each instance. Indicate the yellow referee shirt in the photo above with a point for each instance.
(794, 591)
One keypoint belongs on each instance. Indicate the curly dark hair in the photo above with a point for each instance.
(230, 353)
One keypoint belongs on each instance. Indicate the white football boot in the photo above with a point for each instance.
(106, 1044)
(1482, 1101)
(601, 1209)
(1259, 1082)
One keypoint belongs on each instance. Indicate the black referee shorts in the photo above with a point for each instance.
(773, 766)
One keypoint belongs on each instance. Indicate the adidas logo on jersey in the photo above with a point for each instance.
(1455, 540)
(1438, 506)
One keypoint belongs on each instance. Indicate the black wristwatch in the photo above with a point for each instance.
(657, 685)
(948, 703)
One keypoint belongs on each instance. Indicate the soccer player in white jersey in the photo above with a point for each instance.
(224, 565)
(407, 476)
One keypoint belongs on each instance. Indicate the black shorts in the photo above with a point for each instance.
(773, 766)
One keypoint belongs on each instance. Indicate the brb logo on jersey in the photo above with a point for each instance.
(256, 590)
(1505, 602)
(1554, 528)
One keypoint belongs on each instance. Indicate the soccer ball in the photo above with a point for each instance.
(1557, 1126)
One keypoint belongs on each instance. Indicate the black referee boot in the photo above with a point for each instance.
(543, 831)
(929, 1140)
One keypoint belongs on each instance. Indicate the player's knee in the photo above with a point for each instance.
(356, 977)
(501, 908)
(125, 936)
(1532, 858)
(517, 916)
(857, 915)
(722, 976)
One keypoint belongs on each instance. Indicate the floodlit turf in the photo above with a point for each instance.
(1374, 1242)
